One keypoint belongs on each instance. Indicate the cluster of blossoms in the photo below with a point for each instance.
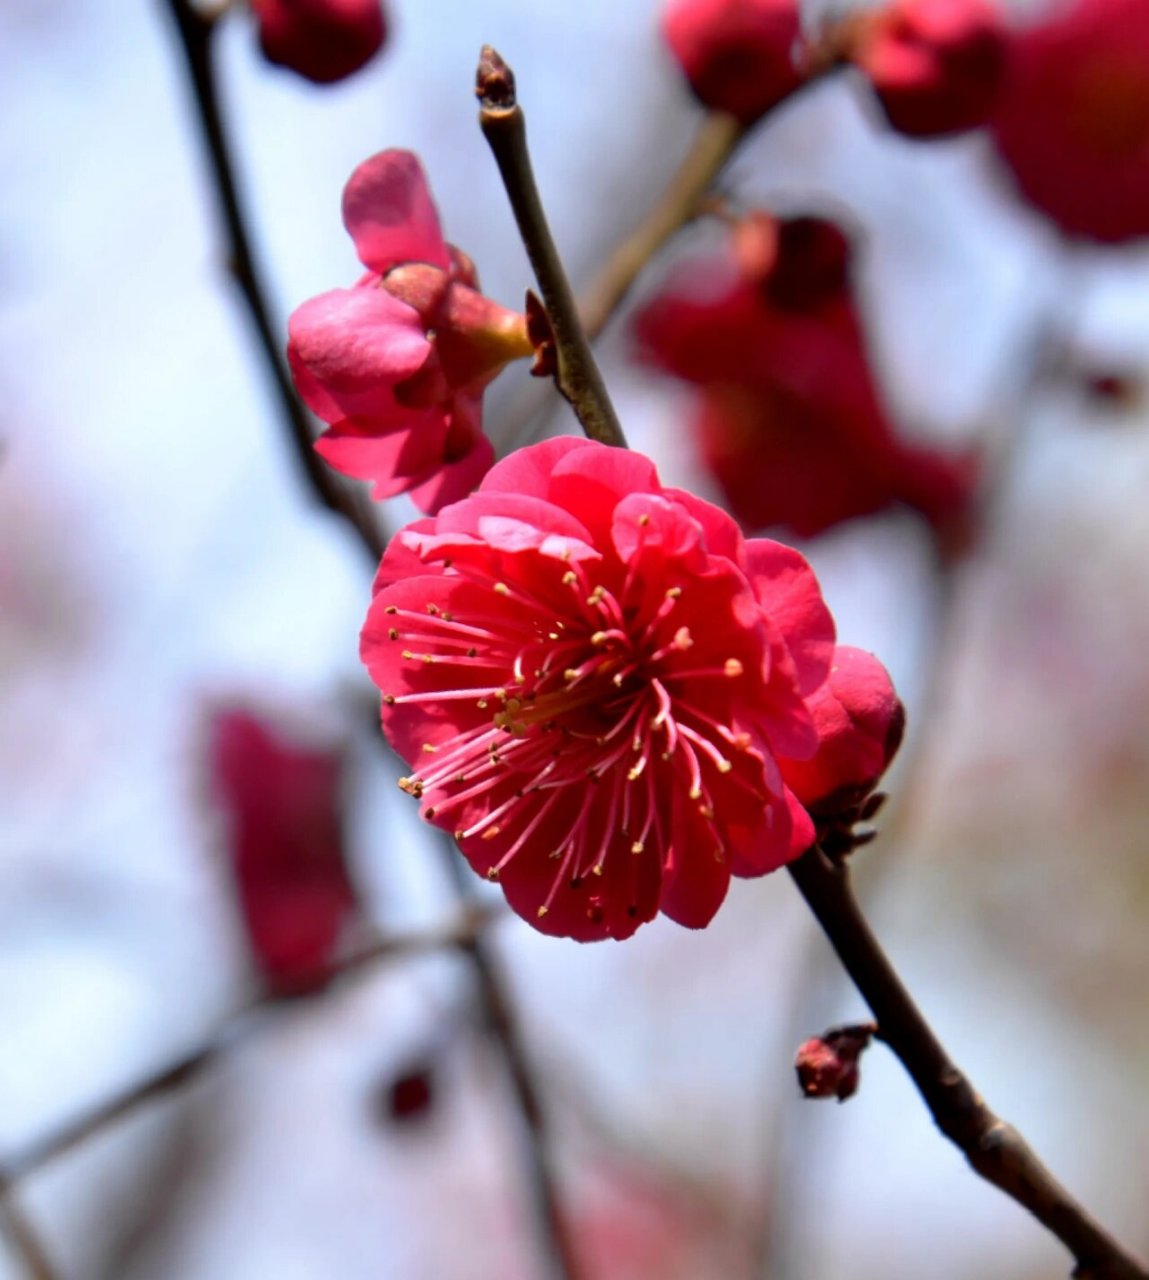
(612, 699)
(1064, 95)
(789, 420)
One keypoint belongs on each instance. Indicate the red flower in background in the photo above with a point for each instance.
(790, 421)
(1073, 124)
(594, 680)
(285, 846)
(936, 66)
(397, 365)
(737, 55)
(322, 40)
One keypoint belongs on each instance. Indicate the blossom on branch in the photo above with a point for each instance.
(285, 844)
(397, 364)
(737, 55)
(790, 420)
(322, 40)
(1073, 124)
(936, 66)
(595, 681)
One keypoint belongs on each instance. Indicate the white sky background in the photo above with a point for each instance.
(156, 548)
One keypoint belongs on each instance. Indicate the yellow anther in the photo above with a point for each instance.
(732, 667)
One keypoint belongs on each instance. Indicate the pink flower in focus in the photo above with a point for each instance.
(1073, 124)
(860, 721)
(790, 421)
(322, 40)
(594, 680)
(398, 363)
(737, 55)
(937, 66)
(285, 843)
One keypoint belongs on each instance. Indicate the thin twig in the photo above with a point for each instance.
(577, 375)
(682, 201)
(458, 934)
(23, 1237)
(195, 33)
(196, 30)
(993, 1148)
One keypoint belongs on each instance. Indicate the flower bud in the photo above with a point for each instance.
(322, 40)
(738, 55)
(936, 65)
(827, 1065)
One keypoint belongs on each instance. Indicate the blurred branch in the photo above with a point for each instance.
(682, 201)
(993, 1148)
(196, 31)
(458, 933)
(22, 1236)
(577, 375)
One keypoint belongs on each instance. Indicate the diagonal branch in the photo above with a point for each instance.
(993, 1148)
(196, 31)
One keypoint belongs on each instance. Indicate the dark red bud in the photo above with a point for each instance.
(827, 1065)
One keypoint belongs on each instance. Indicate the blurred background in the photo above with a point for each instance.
(160, 559)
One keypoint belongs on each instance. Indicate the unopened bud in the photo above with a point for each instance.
(827, 1065)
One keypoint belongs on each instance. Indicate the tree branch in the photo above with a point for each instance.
(22, 1235)
(577, 376)
(196, 31)
(994, 1148)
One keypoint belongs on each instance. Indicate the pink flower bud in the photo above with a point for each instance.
(322, 40)
(738, 55)
(937, 66)
(827, 1066)
(860, 721)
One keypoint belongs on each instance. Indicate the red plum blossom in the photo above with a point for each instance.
(790, 420)
(398, 363)
(1072, 128)
(596, 682)
(936, 66)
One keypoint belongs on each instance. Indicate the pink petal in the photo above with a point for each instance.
(389, 213)
(453, 481)
(349, 347)
(393, 453)
(529, 470)
(792, 599)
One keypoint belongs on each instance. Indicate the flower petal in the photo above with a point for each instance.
(389, 213)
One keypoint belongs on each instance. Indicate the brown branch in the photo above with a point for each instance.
(196, 30)
(681, 202)
(577, 376)
(993, 1148)
(196, 38)
(23, 1237)
(458, 933)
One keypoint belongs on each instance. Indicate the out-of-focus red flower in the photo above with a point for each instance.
(1073, 123)
(594, 679)
(397, 364)
(860, 721)
(936, 66)
(322, 40)
(285, 844)
(789, 420)
(737, 55)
